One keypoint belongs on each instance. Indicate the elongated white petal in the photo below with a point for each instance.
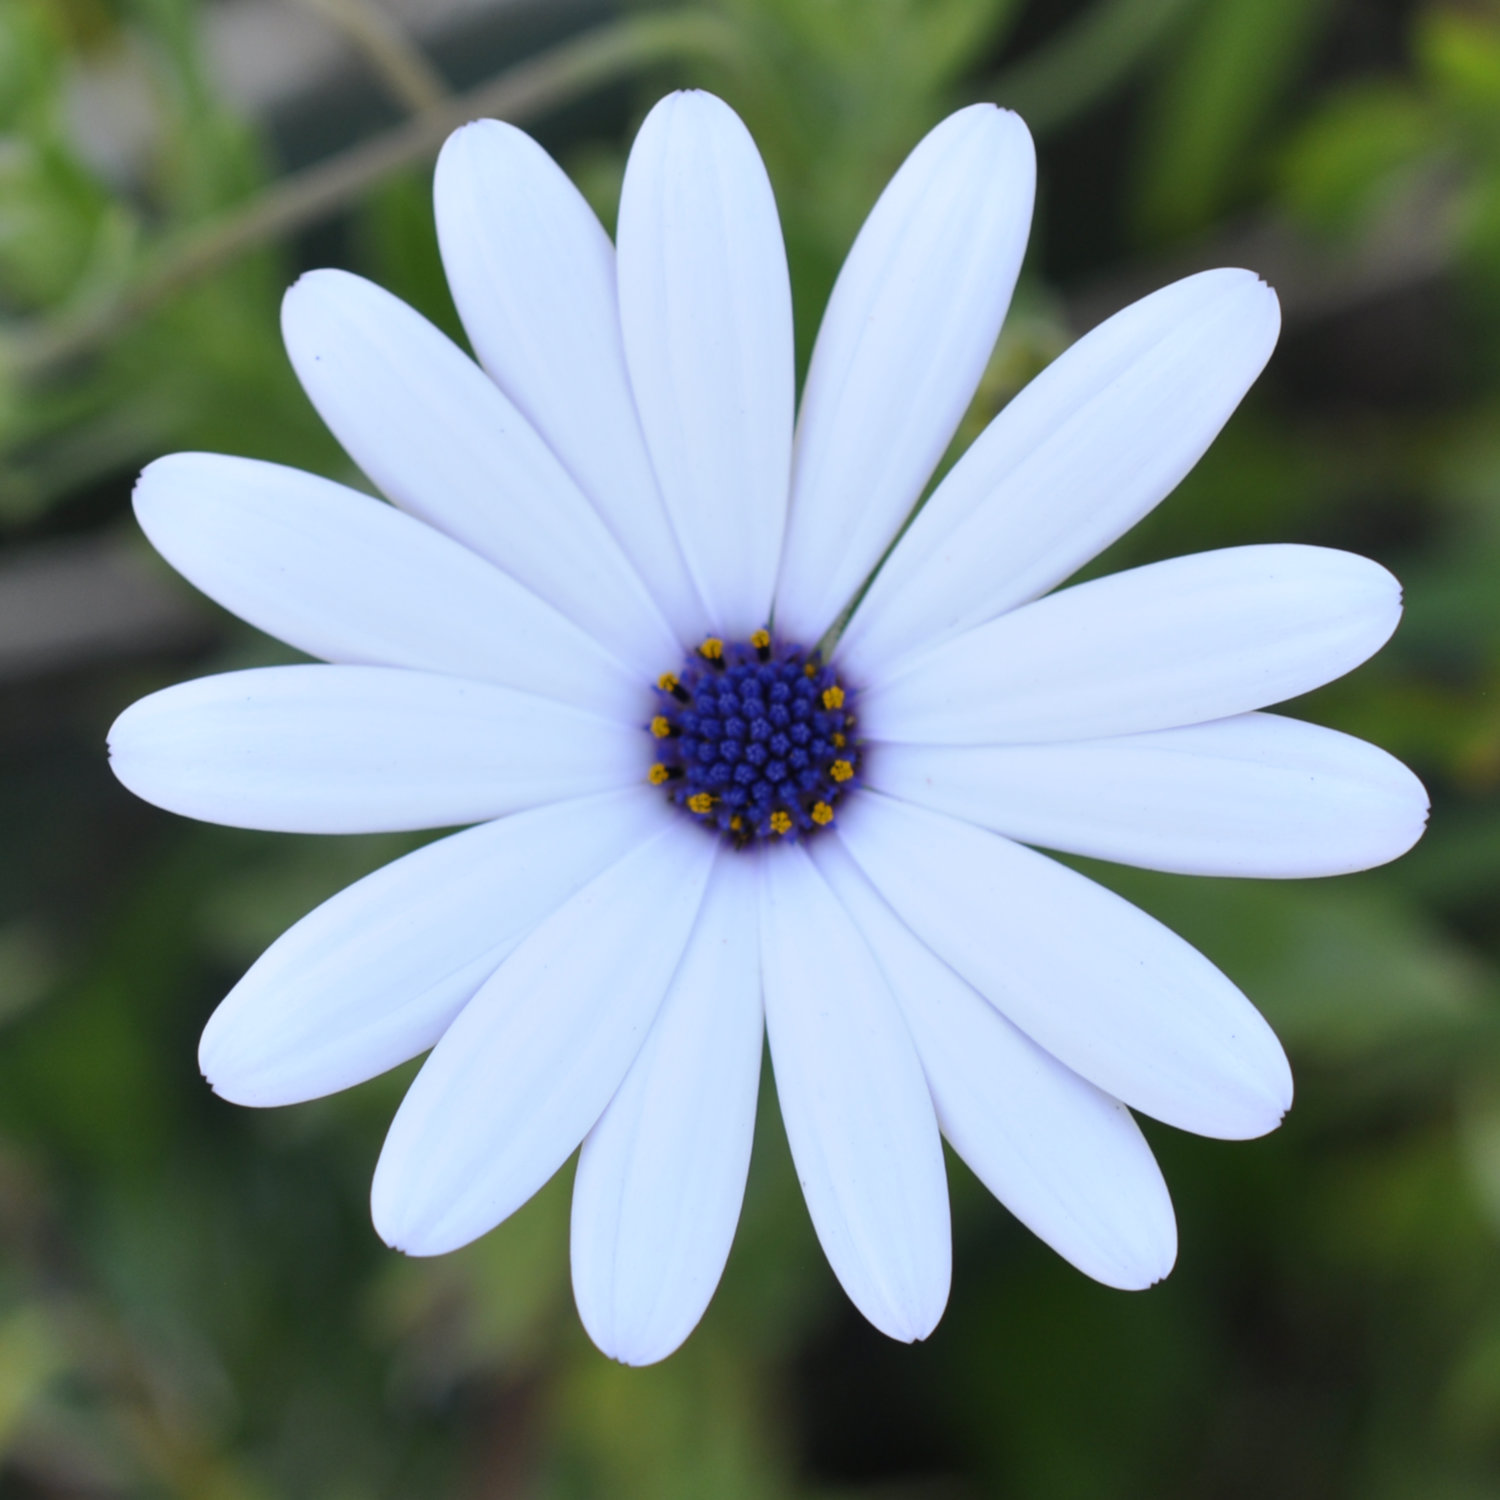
(532, 273)
(530, 1063)
(1256, 795)
(1102, 986)
(908, 330)
(361, 750)
(1102, 435)
(661, 1176)
(707, 316)
(376, 974)
(858, 1115)
(1065, 1158)
(438, 438)
(341, 576)
(1178, 642)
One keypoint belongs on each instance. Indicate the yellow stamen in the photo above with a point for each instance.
(661, 726)
(667, 681)
(833, 697)
(822, 813)
(657, 774)
(781, 822)
(810, 670)
(701, 802)
(712, 649)
(761, 639)
(736, 823)
(838, 741)
(841, 770)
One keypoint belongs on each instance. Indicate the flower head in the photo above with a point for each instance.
(595, 623)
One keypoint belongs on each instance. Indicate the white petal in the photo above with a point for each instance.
(530, 1063)
(859, 1118)
(707, 316)
(362, 750)
(908, 331)
(661, 1176)
(1257, 795)
(437, 437)
(1093, 443)
(532, 273)
(376, 974)
(1065, 1158)
(1102, 986)
(344, 577)
(1178, 642)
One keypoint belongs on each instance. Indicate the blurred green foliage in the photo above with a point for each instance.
(192, 1302)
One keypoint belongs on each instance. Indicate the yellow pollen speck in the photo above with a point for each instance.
(661, 726)
(657, 774)
(712, 649)
(667, 681)
(736, 823)
(822, 813)
(781, 822)
(841, 770)
(810, 670)
(761, 639)
(833, 697)
(838, 741)
(701, 802)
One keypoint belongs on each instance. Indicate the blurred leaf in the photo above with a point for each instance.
(398, 246)
(31, 1356)
(1233, 67)
(1459, 54)
(1479, 1120)
(492, 1308)
(242, 914)
(695, 1425)
(1341, 969)
(1354, 155)
(1090, 59)
(29, 967)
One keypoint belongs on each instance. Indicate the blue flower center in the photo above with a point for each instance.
(755, 740)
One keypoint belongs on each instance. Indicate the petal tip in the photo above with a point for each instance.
(227, 1089)
(228, 1069)
(470, 132)
(640, 1352)
(158, 468)
(117, 741)
(465, 147)
(914, 1317)
(312, 290)
(158, 491)
(919, 1325)
(299, 289)
(1159, 1259)
(409, 1225)
(692, 109)
(1003, 130)
(387, 1220)
(1259, 1116)
(239, 1086)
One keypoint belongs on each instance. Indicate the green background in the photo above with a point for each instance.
(192, 1301)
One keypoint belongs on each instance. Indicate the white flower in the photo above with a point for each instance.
(618, 484)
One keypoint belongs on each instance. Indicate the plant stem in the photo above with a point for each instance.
(412, 81)
(291, 203)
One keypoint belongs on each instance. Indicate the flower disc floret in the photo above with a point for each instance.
(755, 739)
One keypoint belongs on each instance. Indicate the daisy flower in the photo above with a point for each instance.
(596, 626)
